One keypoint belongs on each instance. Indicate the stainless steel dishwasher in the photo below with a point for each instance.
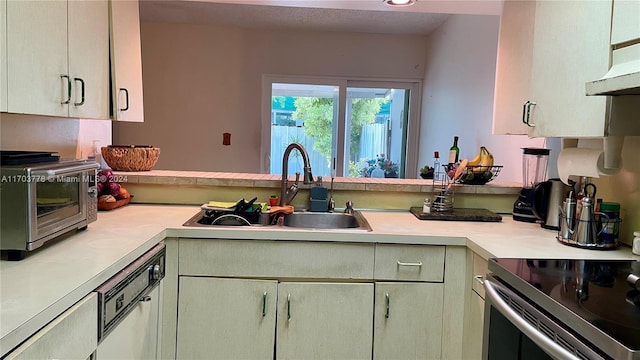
(129, 309)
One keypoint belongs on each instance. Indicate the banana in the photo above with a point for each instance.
(486, 161)
(476, 160)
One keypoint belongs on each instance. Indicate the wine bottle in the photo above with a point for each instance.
(454, 151)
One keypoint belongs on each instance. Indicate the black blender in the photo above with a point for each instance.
(534, 171)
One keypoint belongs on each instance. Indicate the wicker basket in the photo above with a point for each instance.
(130, 158)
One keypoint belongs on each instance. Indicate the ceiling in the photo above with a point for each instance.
(367, 16)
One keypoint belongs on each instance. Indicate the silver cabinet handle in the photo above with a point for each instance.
(479, 278)
(126, 96)
(400, 263)
(62, 76)
(81, 92)
(387, 300)
(145, 298)
(288, 307)
(526, 113)
(264, 304)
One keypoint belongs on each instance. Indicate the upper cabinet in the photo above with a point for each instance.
(626, 26)
(126, 61)
(57, 58)
(568, 43)
(513, 68)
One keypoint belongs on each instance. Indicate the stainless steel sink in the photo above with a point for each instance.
(300, 220)
(322, 220)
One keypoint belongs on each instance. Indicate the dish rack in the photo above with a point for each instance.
(243, 214)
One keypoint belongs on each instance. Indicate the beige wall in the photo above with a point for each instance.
(458, 96)
(202, 81)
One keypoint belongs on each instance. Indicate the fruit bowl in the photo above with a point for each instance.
(479, 175)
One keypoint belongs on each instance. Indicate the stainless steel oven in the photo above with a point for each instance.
(41, 201)
(561, 309)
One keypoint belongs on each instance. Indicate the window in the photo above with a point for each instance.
(352, 126)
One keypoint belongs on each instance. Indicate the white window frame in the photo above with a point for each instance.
(413, 132)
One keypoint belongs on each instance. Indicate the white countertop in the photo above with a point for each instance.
(37, 289)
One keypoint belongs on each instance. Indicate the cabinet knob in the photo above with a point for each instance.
(154, 272)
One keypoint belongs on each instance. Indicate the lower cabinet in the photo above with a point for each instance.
(72, 335)
(408, 320)
(324, 321)
(253, 299)
(226, 318)
(474, 307)
(236, 319)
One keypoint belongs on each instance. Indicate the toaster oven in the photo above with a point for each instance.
(42, 201)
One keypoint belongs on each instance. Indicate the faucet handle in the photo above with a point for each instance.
(349, 207)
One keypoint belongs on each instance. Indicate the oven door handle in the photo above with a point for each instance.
(545, 343)
(65, 170)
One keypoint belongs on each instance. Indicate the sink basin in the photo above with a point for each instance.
(302, 220)
(322, 220)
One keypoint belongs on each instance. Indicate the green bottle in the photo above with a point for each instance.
(454, 151)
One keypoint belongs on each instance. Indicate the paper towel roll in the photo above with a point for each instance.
(582, 162)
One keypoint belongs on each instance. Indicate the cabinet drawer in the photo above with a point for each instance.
(275, 259)
(72, 335)
(409, 262)
(480, 270)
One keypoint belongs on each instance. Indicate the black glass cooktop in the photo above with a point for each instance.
(580, 293)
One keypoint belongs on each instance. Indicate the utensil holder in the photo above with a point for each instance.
(567, 234)
(443, 191)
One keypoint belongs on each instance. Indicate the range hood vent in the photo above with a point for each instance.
(624, 76)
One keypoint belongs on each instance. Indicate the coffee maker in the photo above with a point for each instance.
(534, 171)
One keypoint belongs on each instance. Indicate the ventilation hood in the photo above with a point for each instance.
(623, 78)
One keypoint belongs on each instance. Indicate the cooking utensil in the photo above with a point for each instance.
(459, 171)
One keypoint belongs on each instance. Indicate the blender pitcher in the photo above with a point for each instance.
(534, 171)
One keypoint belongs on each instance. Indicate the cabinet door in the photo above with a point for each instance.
(226, 318)
(474, 327)
(3, 55)
(126, 61)
(136, 337)
(513, 66)
(37, 61)
(89, 58)
(571, 48)
(408, 320)
(474, 307)
(72, 335)
(324, 321)
(625, 26)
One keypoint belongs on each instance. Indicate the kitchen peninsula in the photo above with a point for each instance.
(39, 288)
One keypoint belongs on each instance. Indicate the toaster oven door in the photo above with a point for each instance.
(58, 201)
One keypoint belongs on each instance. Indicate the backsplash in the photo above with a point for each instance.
(624, 188)
(72, 138)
